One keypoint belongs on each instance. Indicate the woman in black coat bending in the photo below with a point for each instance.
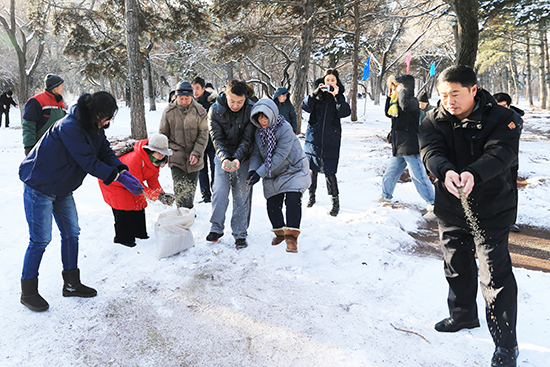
(326, 105)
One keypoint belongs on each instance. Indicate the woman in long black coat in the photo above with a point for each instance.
(326, 105)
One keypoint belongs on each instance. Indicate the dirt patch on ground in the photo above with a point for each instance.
(529, 248)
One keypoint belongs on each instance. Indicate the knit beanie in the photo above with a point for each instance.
(423, 97)
(51, 81)
(184, 89)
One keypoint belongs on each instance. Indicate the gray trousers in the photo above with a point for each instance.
(242, 194)
(185, 185)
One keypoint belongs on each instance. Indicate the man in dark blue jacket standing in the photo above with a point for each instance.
(206, 99)
(469, 143)
(73, 148)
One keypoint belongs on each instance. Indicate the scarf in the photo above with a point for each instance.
(267, 139)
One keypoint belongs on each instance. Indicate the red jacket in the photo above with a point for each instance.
(118, 197)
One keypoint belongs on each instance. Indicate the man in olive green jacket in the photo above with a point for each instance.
(184, 122)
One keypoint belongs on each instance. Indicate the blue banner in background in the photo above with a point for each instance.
(366, 70)
(432, 69)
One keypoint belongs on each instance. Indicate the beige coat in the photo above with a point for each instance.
(187, 132)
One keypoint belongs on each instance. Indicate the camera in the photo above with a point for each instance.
(327, 88)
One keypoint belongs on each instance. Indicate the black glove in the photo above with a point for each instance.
(166, 199)
(252, 178)
(122, 167)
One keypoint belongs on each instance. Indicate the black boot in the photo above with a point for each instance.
(72, 286)
(312, 189)
(30, 296)
(335, 206)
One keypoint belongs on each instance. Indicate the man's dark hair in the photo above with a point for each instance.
(503, 97)
(198, 80)
(93, 108)
(462, 74)
(237, 87)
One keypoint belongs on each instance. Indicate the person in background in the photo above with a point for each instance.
(210, 88)
(469, 143)
(206, 99)
(424, 105)
(144, 163)
(184, 124)
(402, 108)
(250, 94)
(326, 106)
(505, 100)
(172, 96)
(279, 159)
(286, 109)
(6, 101)
(233, 137)
(42, 111)
(73, 148)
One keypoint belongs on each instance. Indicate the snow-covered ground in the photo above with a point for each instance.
(354, 295)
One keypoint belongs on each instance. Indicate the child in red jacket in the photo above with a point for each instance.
(144, 163)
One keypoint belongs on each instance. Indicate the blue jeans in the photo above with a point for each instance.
(242, 195)
(39, 208)
(419, 177)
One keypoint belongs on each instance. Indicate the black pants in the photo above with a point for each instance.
(129, 225)
(7, 114)
(206, 182)
(498, 284)
(293, 202)
(332, 183)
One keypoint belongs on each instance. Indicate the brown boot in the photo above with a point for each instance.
(291, 238)
(279, 236)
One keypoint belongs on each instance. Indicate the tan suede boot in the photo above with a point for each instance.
(291, 238)
(279, 236)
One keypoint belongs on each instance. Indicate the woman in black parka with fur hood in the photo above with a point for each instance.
(326, 105)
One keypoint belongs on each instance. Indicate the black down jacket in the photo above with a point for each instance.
(324, 131)
(404, 127)
(232, 133)
(484, 144)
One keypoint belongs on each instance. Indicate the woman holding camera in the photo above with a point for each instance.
(326, 105)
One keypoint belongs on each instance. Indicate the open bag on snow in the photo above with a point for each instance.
(172, 231)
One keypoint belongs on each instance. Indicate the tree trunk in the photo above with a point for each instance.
(332, 61)
(467, 31)
(230, 71)
(21, 48)
(137, 108)
(542, 69)
(528, 90)
(513, 70)
(355, 63)
(547, 70)
(150, 85)
(302, 66)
